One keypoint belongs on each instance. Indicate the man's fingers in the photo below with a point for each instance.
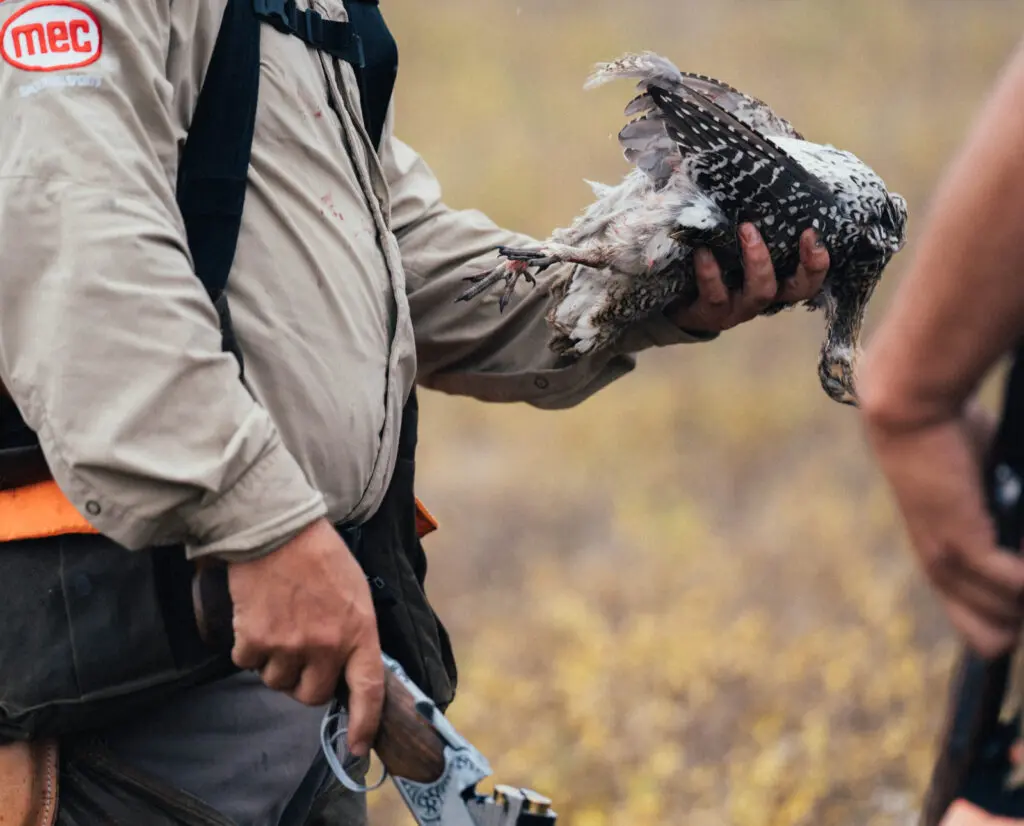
(759, 284)
(814, 260)
(985, 601)
(282, 672)
(985, 584)
(1000, 572)
(247, 656)
(717, 309)
(983, 638)
(806, 282)
(712, 289)
(317, 683)
(712, 308)
(364, 674)
(979, 563)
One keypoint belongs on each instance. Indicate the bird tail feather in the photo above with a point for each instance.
(649, 68)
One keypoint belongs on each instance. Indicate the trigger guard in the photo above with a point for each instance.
(329, 742)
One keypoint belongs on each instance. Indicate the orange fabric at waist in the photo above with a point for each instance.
(42, 510)
(425, 522)
(38, 511)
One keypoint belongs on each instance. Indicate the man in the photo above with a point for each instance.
(342, 296)
(957, 311)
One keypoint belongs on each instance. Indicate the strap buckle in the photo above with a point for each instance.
(329, 36)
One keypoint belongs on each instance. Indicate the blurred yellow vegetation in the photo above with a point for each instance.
(688, 600)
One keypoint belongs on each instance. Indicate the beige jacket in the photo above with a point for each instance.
(110, 347)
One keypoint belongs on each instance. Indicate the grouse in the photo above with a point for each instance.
(706, 158)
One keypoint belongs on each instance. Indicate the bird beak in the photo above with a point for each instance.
(839, 392)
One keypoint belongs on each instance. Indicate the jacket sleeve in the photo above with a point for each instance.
(109, 345)
(470, 348)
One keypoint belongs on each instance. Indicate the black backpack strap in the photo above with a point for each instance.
(379, 71)
(364, 42)
(330, 36)
(214, 166)
(211, 185)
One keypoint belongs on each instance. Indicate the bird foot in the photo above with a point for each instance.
(518, 265)
(539, 258)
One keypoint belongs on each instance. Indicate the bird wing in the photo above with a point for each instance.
(739, 168)
(755, 113)
(746, 175)
(645, 141)
(647, 145)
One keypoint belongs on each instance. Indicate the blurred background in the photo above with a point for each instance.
(688, 600)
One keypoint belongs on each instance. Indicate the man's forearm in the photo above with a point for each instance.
(471, 348)
(961, 305)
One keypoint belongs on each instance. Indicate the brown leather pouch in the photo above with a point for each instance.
(28, 783)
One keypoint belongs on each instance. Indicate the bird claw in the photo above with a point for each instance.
(518, 265)
(538, 259)
(508, 271)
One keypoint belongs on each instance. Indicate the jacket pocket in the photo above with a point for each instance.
(91, 633)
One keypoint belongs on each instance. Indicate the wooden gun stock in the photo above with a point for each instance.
(406, 744)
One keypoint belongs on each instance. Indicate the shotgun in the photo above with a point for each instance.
(434, 768)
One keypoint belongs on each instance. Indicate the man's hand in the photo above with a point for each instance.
(718, 309)
(962, 813)
(980, 424)
(935, 474)
(302, 614)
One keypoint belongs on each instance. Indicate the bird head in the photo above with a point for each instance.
(836, 370)
(888, 233)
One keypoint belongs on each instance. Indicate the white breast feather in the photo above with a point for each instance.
(834, 167)
(584, 298)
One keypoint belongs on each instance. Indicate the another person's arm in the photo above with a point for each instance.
(958, 309)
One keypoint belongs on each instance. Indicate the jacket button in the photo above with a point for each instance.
(541, 383)
(93, 508)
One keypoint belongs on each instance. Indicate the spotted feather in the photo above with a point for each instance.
(747, 176)
(749, 110)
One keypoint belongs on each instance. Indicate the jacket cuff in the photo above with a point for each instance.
(660, 331)
(268, 506)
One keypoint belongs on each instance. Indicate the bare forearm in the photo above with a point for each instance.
(959, 308)
(961, 305)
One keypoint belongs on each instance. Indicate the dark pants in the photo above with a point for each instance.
(99, 789)
(101, 651)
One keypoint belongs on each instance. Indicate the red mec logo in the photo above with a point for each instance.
(50, 36)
